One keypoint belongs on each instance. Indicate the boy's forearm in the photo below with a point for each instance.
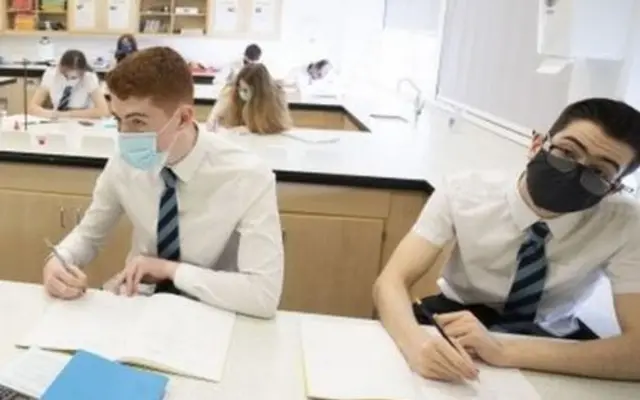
(614, 358)
(394, 307)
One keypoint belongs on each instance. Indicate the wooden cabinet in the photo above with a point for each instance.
(336, 239)
(27, 219)
(16, 94)
(330, 263)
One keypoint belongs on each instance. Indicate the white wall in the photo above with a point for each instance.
(630, 87)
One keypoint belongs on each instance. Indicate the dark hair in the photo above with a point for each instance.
(253, 52)
(121, 52)
(74, 59)
(144, 74)
(617, 119)
(318, 65)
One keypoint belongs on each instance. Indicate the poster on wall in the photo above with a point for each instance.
(226, 16)
(85, 16)
(118, 15)
(264, 16)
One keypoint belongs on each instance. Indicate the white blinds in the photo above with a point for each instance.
(489, 60)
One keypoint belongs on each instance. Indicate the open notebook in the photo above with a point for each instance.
(349, 359)
(164, 332)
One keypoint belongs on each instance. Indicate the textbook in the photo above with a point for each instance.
(351, 359)
(89, 376)
(165, 332)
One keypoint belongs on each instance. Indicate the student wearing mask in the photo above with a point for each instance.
(528, 251)
(125, 45)
(254, 101)
(316, 78)
(252, 55)
(187, 194)
(72, 89)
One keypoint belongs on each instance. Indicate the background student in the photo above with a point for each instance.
(72, 90)
(125, 45)
(254, 101)
(252, 54)
(188, 195)
(529, 249)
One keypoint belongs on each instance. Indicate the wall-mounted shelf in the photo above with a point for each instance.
(186, 18)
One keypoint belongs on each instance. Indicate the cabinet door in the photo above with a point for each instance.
(331, 264)
(13, 96)
(26, 220)
(111, 258)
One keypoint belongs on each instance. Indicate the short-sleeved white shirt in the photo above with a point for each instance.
(55, 83)
(486, 215)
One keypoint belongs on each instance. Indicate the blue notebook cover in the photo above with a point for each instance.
(91, 377)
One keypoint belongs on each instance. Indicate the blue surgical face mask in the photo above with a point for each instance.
(140, 149)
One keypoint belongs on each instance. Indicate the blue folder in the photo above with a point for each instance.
(91, 377)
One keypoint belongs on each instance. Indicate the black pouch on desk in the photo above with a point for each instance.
(10, 394)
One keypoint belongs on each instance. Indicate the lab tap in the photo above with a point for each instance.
(418, 100)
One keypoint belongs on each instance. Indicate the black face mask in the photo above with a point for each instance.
(557, 191)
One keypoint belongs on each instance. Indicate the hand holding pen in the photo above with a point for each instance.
(440, 357)
(61, 279)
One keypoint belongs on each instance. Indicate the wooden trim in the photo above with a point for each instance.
(48, 179)
(333, 200)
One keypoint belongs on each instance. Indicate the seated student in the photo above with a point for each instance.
(186, 194)
(254, 102)
(72, 88)
(528, 250)
(125, 45)
(252, 55)
(315, 76)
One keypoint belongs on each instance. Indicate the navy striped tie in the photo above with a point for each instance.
(528, 285)
(168, 237)
(65, 99)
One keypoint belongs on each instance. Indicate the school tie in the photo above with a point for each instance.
(65, 99)
(168, 238)
(526, 290)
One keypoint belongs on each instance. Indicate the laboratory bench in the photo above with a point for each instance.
(345, 200)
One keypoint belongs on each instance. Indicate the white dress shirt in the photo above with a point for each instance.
(485, 214)
(55, 83)
(230, 236)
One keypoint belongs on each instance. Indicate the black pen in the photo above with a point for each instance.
(429, 316)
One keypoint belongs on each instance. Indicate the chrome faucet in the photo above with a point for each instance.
(418, 100)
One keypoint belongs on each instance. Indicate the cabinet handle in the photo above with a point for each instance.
(62, 225)
(284, 235)
(78, 215)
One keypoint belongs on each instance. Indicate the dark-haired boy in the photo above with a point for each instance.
(528, 250)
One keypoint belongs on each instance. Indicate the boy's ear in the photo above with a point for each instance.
(537, 139)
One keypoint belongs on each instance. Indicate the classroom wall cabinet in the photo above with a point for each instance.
(336, 239)
(15, 94)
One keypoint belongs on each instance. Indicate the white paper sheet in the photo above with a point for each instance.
(85, 15)
(118, 16)
(226, 16)
(32, 371)
(263, 16)
(350, 359)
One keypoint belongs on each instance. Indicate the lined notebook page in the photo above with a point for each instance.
(99, 321)
(348, 359)
(183, 336)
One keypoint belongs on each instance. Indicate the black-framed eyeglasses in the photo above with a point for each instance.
(590, 178)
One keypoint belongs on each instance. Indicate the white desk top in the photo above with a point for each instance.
(387, 153)
(265, 360)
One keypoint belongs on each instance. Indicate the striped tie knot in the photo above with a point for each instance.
(169, 177)
(539, 231)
